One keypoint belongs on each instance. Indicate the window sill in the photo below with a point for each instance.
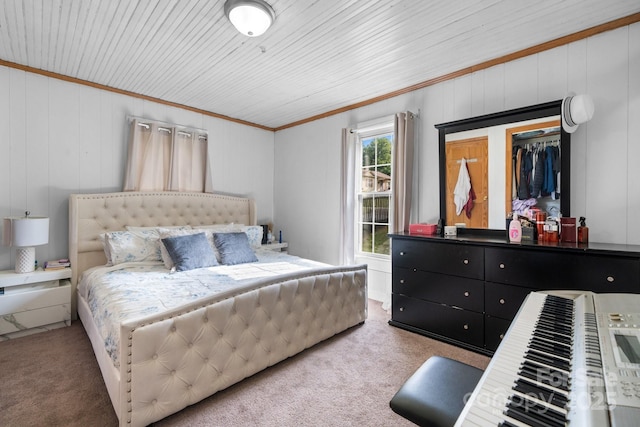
(375, 262)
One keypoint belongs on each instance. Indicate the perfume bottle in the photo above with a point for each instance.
(583, 231)
(515, 229)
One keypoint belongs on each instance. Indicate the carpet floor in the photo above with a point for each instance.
(53, 379)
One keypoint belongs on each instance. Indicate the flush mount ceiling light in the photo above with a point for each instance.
(251, 17)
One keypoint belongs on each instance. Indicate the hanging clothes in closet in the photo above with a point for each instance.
(526, 166)
(536, 171)
(552, 169)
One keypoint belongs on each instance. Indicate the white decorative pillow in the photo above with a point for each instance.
(156, 227)
(128, 246)
(107, 253)
(254, 234)
(220, 228)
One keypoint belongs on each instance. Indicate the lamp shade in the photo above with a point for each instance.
(26, 231)
(251, 17)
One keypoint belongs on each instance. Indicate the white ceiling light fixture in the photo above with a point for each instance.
(251, 17)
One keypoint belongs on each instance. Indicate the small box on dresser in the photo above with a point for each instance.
(34, 302)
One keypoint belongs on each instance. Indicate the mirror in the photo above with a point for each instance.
(494, 147)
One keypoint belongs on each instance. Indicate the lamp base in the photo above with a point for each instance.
(25, 260)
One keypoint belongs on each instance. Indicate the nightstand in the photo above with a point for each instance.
(34, 302)
(278, 247)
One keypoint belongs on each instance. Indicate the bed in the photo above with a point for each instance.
(165, 360)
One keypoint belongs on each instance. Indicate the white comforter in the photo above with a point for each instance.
(135, 290)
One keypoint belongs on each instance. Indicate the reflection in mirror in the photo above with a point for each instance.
(534, 168)
(512, 159)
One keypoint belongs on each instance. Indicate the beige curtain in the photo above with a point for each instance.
(402, 171)
(347, 197)
(166, 158)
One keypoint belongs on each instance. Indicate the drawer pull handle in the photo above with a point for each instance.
(501, 336)
(466, 261)
(501, 300)
(466, 327)
(466, 294)
(401, 308)
(401, 281)
(502, 266)
(401, 253)
(415, 269)
(610, 279)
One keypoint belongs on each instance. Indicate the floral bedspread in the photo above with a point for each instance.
(134, 290)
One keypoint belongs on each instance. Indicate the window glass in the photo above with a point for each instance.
(374, 196)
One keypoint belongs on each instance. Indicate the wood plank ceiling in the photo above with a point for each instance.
(318, 56)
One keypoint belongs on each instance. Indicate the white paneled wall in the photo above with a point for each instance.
(605, 172)
(58, 138)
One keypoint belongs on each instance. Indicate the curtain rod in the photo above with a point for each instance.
(167, 126)
(180, 132)
(380, 123)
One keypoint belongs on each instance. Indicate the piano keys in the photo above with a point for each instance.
(556, 365)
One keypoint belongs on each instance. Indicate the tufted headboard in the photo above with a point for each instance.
(92, 214)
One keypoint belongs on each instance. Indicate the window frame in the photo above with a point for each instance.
(380, 130)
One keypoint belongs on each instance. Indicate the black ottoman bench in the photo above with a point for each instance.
(435, 394)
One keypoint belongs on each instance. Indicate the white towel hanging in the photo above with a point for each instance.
(461, 191)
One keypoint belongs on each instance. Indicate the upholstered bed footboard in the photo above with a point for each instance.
(173, 361)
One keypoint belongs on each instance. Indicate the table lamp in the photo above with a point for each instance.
(25, 233)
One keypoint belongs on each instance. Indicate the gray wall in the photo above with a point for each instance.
(605, 172)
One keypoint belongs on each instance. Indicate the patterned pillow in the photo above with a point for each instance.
(107, 253)
(128, 246)
(254, 234)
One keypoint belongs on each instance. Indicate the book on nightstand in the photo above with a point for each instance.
(58, 264)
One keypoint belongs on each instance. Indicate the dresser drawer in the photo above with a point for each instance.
(534, 269)
(494, 331)
(555, 270)
(458, 324)
(503, 301)
(454, 259)
(603, 274)
(439, 288)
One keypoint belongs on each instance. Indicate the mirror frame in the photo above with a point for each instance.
(538, 111)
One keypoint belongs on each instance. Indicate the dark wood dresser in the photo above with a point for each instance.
(466, 290)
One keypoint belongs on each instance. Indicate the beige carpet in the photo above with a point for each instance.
(52, 379)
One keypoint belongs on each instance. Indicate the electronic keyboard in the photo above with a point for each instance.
(568, 359)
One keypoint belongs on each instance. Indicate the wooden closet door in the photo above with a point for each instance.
(475, 151)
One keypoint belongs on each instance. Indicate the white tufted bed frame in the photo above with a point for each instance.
(179, 357)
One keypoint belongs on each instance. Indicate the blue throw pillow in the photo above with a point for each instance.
(234, 248)
(190, 251)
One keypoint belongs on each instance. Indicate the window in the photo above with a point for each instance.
(373, 190)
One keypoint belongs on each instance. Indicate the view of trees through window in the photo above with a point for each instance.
(375, 194)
